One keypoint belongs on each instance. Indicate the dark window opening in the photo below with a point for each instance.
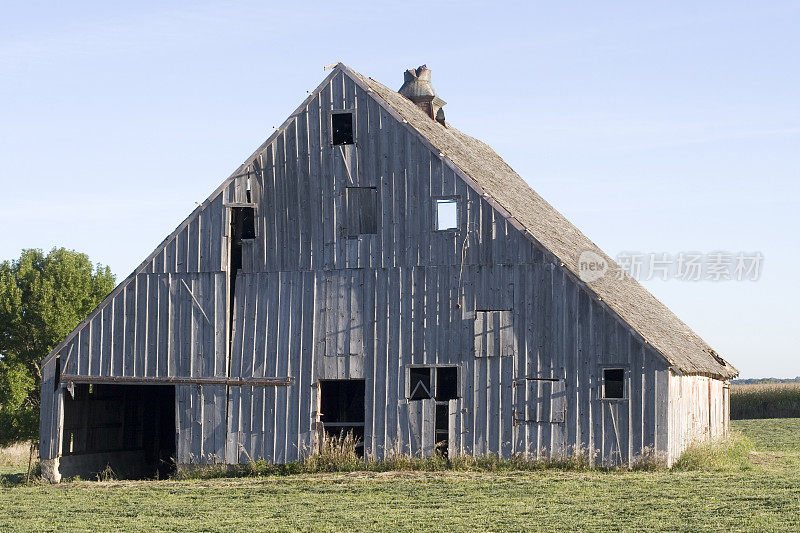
(342, 128)
(446, 383)
(613, 383)
(419, 387)
(440, 383)
(243, 222)
(129, 428)
(342, 409)
(361, 211)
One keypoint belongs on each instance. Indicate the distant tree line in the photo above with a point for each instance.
(749, 381)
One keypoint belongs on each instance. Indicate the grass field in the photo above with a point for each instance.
(765, 400)
(763, 497)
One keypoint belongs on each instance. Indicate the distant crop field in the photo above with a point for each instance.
(763, 495)
(765, 400)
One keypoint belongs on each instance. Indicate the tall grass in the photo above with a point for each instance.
(730, 453)
(765, 400)
(15, 455)
(14, 463)
(339, 454)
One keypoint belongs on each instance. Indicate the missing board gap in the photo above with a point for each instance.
(57, 380)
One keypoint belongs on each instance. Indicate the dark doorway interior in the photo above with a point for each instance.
(127, 428)
(342, 409)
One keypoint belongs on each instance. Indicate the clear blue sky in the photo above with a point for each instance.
(653, 126)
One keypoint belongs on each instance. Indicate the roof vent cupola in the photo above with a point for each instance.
(417, 88)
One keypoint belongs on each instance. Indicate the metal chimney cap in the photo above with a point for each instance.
(417, 87)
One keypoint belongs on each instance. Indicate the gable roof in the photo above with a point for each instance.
(483, 169)
(653, 320)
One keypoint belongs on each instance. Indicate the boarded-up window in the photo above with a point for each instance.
(494, 335)
(361, 211)
(418, 422)
(539, 400)
(342, 128)
(437, 385)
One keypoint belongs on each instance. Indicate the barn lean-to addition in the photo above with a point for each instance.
(372, 269)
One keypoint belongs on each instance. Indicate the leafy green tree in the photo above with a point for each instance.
(42, 299)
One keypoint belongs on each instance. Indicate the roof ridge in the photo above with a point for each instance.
(658, 325)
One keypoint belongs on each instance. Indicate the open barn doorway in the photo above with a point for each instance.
(125, 429)
(342, 410)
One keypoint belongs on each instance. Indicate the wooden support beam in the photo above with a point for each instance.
(132, 380)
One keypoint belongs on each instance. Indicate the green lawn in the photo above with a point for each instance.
(766, 497)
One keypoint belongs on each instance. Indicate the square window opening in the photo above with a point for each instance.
(446, 214)
(342, 128)
(613, 383)
(446, 383)
(419, 383)
(243, 222)
(342, 401)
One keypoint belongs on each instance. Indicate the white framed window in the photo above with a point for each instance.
(446, 212)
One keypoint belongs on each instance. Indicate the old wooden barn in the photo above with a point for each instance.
(370, 268)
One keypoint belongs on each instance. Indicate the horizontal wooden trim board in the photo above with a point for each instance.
(133, 380)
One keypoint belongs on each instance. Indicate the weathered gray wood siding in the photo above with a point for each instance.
(156, 325)
(50, 413)
(698, 411)
(311, 303)
(425, 316)
(301, 226)
(375, 304)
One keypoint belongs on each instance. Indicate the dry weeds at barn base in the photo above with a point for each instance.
(765, 498)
